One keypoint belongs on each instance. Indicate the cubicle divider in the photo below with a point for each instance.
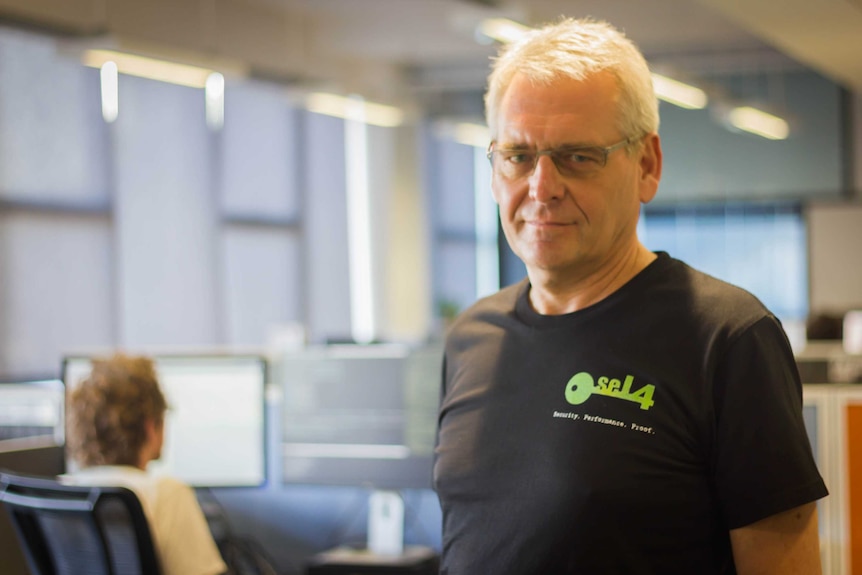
(834, 421)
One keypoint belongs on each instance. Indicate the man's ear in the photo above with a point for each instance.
(494, 193)
(650, 167)
(150, 428)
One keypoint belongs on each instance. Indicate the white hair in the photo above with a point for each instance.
(577, 49)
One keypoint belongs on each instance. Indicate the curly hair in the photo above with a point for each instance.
(576, 49)
(106, 413)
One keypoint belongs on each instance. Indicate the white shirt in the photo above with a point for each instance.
(180, 532)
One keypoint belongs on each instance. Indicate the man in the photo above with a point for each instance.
(115, 427)
(617, 412)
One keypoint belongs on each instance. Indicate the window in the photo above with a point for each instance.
(761, 248)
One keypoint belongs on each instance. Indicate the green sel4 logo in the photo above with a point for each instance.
(582, 386)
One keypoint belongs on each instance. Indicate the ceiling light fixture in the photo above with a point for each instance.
(501, 29)
(679, 93)
(214, 94)
(758, 122)
(350, 109)
(469, 134)
(151, 68)
(110, 92)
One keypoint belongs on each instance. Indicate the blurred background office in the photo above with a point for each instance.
(269, 176)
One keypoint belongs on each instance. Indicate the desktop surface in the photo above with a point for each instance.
(417, 560)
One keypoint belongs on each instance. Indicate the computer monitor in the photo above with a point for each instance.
(215, 424)
(360, 415)
(30, 409)
(31, 437)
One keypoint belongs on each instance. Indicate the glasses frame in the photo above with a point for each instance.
(550, 152)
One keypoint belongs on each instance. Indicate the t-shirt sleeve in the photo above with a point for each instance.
(762, 458)
(182, 534)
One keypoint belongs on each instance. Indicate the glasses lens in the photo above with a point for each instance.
(514, 164)
(570, 161)
(579, 160)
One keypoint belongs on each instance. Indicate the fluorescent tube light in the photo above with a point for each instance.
(214, 93)
(327, 104)
(161, 70)
(364, 111)
(759, 122)
(502, 30)
(678, 93)
(110, 91)
(474, 135)
(360, 248)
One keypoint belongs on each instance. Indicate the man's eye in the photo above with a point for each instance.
(519, 158)
(580, 157)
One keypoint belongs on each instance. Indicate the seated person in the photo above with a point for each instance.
(115, 427)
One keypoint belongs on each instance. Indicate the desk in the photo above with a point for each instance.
(415, 560)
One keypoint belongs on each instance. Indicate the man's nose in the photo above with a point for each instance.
(546, 183)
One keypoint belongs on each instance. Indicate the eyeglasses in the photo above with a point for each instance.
(518, 163)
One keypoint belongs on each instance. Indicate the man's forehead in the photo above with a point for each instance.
(576, 113)
(603, 81)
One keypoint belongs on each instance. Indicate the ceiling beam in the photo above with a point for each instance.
(825, 35)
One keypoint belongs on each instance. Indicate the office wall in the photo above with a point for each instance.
(156, 231)
(707, 161)
(165, 218)
(328, 268)
(258, 165)
(56, 251)
(450, 178)
(835, 235)
(408, 313)
(835, 260)
(856, 144)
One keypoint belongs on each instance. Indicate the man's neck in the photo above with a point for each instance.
(556, 293)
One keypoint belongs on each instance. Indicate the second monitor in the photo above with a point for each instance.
(360, 415)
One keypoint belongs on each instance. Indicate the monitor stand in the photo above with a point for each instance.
(386, 523)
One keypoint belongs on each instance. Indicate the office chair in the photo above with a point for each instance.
(79, 530)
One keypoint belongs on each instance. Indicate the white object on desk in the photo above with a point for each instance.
(853, 332)
(386, 523)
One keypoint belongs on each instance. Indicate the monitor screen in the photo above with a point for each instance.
(29, 411)
(215, 424)
(360, 415)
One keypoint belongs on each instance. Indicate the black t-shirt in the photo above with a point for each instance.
(624, 438)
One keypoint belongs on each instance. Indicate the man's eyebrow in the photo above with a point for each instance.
(514, 147)
(564, 146)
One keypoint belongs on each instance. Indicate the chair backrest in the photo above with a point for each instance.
(40, 459)
(79, 530)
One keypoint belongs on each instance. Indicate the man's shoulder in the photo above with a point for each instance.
(715, 291)
(710, 299)
(489, 317)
